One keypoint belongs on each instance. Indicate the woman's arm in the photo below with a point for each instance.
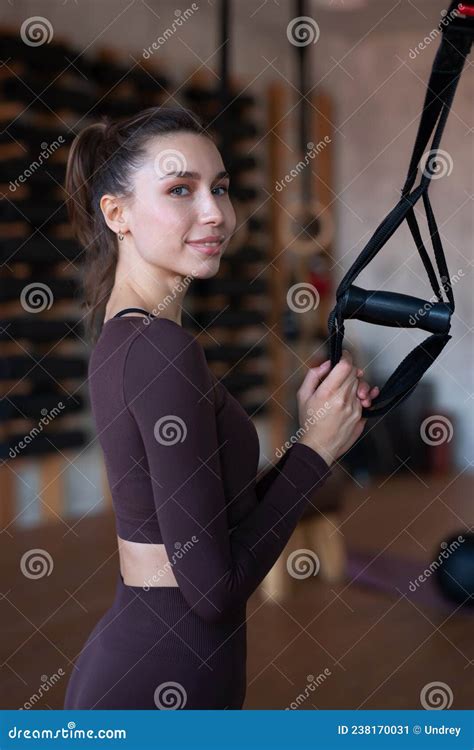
(167, 388)
(266, 480)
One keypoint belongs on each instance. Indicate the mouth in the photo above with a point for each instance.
(211, 248)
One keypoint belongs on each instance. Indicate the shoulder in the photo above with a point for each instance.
(163, 345)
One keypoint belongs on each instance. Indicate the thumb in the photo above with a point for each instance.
(313, 378)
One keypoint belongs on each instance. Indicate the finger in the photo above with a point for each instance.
(363, 389)
(352, 390)
(343, 374)
(313, 378)
(372, 394)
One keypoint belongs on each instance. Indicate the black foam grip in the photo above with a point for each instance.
(397, 310)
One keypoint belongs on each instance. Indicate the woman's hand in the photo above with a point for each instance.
(364, 391)
(330, 406)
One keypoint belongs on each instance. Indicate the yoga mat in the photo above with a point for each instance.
(393, 575)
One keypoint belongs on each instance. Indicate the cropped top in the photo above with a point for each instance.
(182, 459)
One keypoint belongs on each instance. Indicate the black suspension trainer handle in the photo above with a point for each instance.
(396, 310)
(391, 308)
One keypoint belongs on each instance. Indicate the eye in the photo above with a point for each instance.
(185, 187)
(178, 187)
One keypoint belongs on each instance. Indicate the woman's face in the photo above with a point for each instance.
(181, 196)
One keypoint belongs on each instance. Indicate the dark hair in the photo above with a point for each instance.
(100, 160)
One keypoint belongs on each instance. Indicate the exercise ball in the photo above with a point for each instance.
(455, 574)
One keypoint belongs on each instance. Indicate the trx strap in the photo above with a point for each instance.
(401, 310)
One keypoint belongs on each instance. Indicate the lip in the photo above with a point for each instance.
(207, 250)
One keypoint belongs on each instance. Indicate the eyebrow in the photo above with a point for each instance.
(194, 175)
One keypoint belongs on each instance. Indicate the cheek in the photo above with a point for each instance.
(230, 215)
(163, 221)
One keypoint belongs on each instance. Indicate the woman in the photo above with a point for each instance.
(196, 533)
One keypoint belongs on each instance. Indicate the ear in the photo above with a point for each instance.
(114, 213)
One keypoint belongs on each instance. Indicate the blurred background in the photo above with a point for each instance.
(370, 605)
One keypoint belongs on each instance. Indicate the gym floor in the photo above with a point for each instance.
(364, 643)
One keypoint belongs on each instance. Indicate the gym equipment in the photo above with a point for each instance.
(311, 227)
(387, 308)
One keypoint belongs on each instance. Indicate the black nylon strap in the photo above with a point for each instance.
(407, 375)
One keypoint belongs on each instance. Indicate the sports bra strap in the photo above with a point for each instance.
(133, 309)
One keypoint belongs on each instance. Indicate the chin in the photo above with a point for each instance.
(205, 269)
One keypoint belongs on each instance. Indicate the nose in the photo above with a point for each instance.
(208, 209)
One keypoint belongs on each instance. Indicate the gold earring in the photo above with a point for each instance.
(120, 236)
